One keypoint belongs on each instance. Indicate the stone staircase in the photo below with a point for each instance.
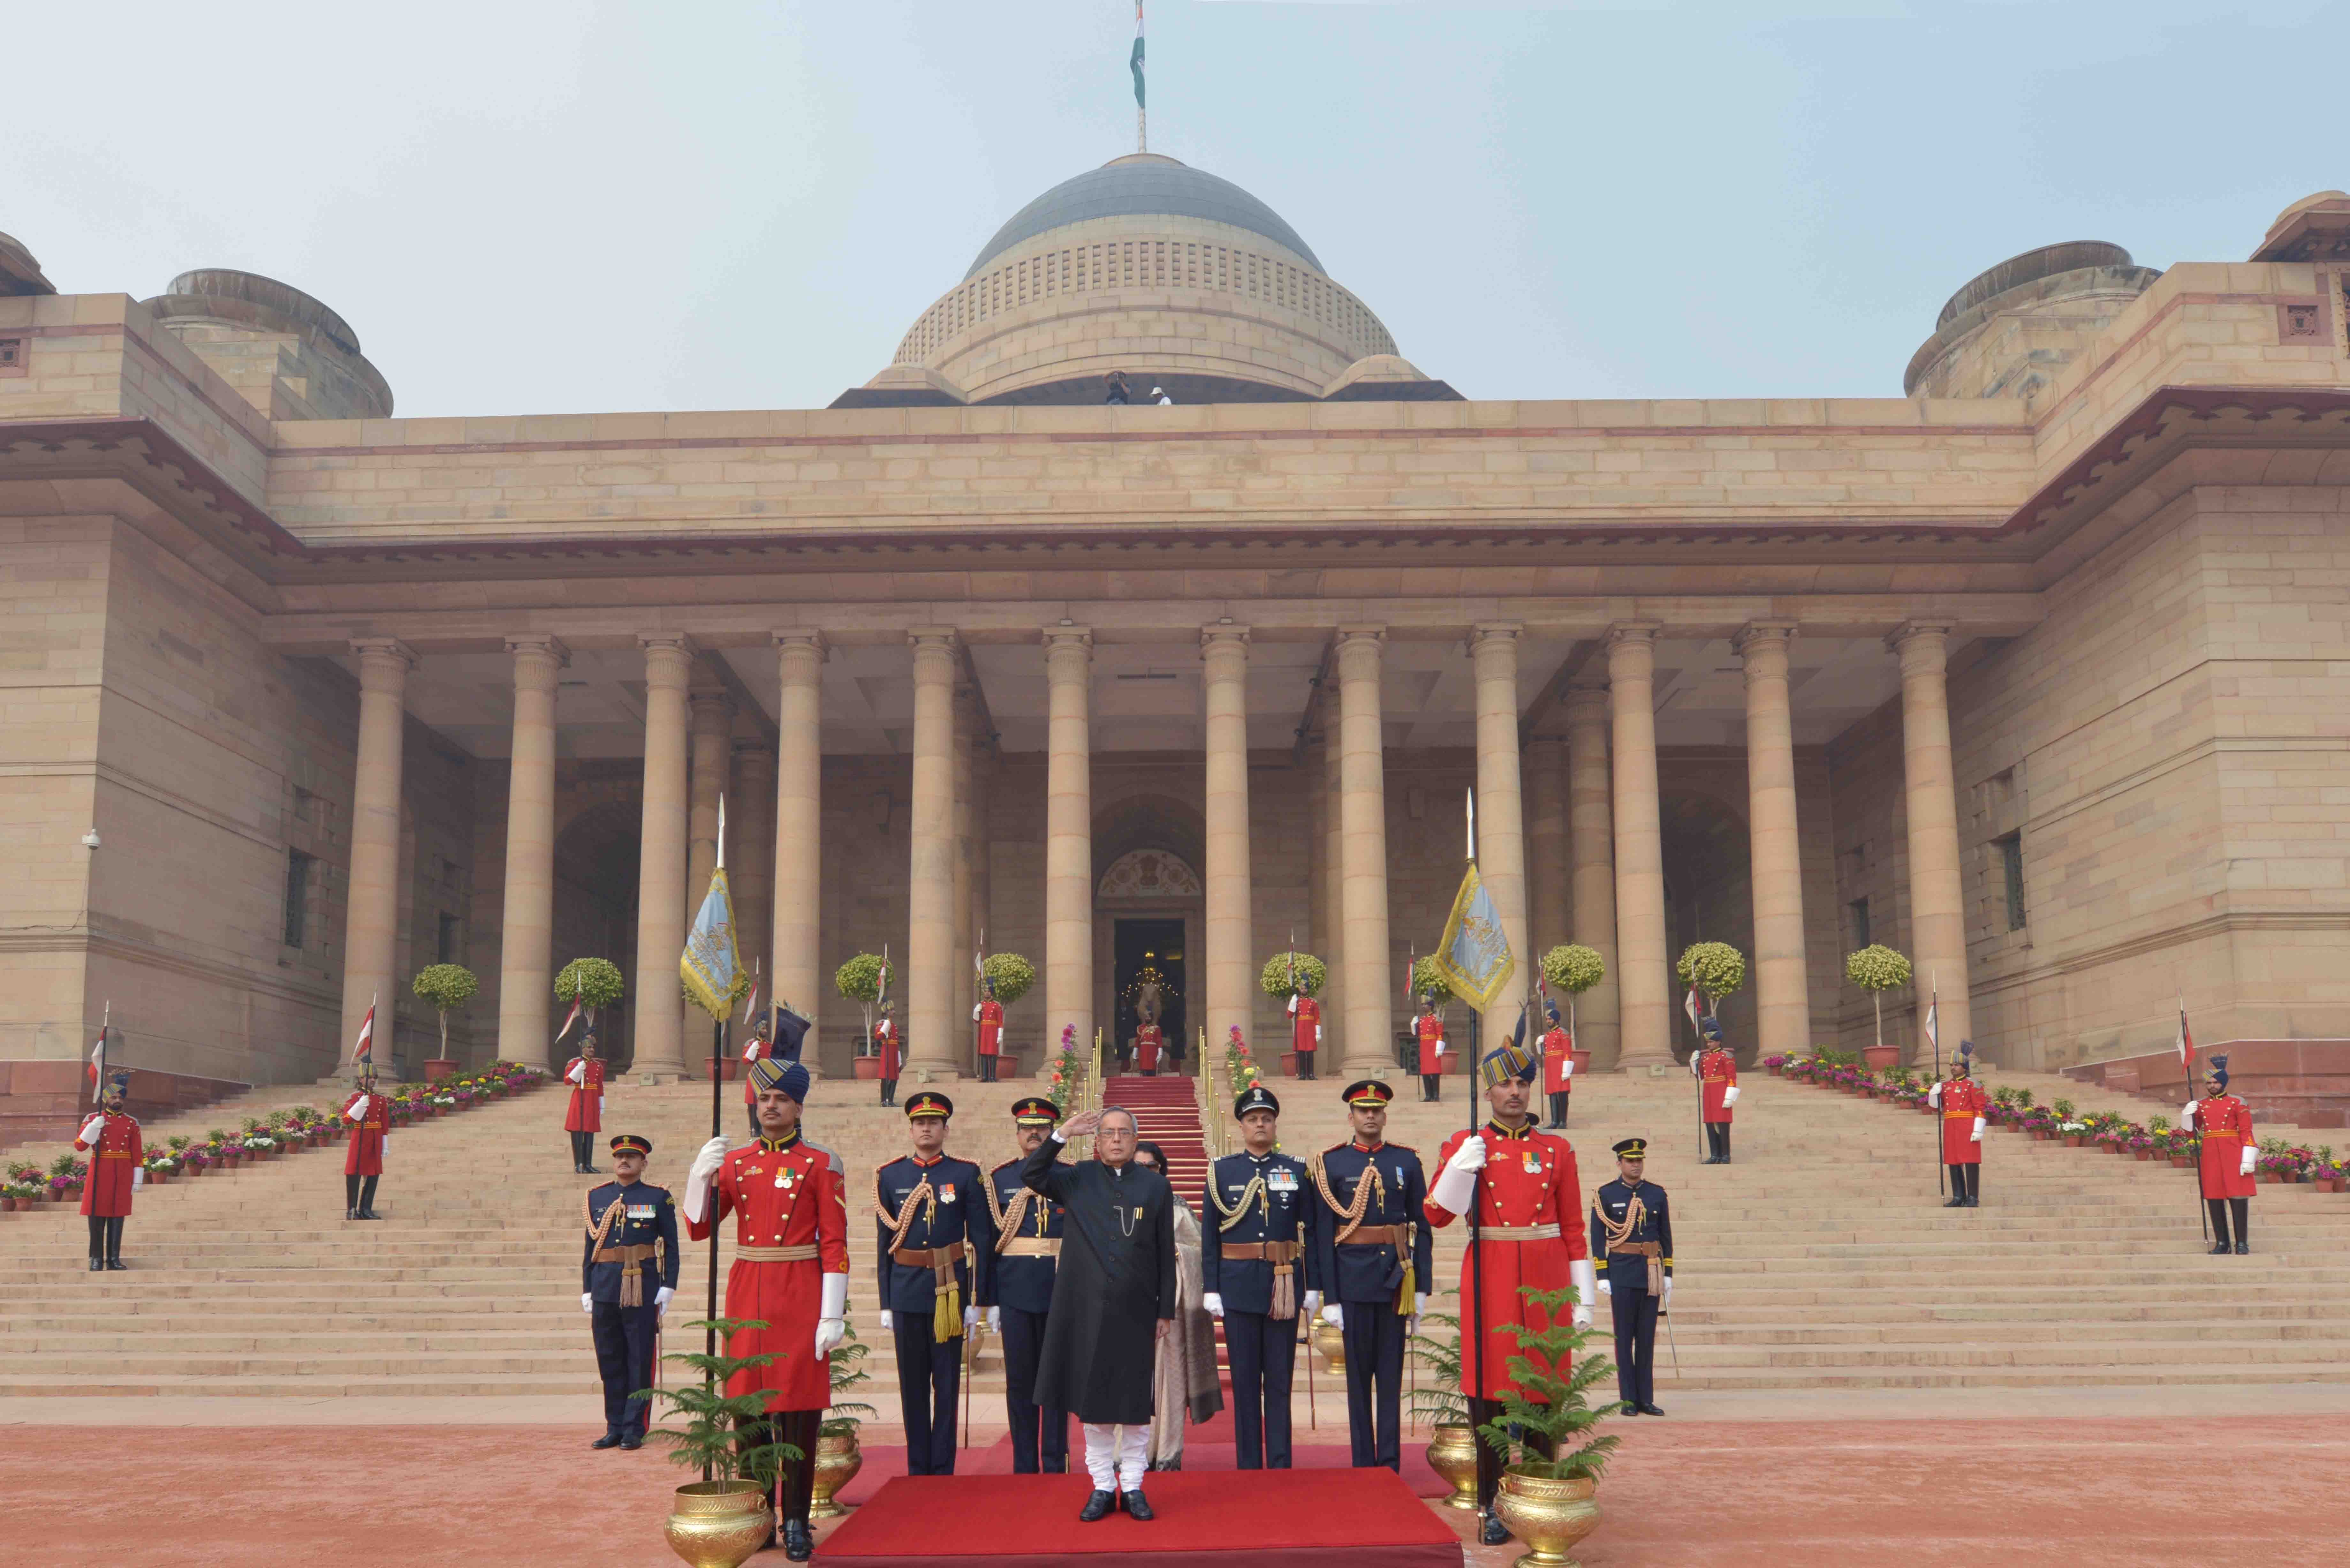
(1822, 1259)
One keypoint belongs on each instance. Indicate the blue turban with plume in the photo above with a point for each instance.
(783, 1070)
(2219, 1071)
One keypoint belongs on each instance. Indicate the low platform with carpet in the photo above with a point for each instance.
(1222, 1519)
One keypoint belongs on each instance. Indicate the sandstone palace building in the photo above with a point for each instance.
(2038, 672)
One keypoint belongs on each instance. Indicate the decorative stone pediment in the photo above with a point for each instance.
(1149, 874)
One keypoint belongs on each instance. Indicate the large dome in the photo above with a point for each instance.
(1143, 183)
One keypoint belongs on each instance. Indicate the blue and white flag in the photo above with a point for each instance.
(709, 964)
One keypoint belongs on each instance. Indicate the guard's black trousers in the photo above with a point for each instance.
(583, 1148)
(1966, 1181)
(1558, 1108)
(105, 1241)
(1636, 1341)
(1373, 1333)
(2219, 1207)
(1488, 1463)
(800, 1430)
(624, 1359)
(1306, 1067)
(358, 1193)
(1040, 1437)
(1263, 1350)
(929, 1381)
(987, 1069)
(889, 1091)
(1717, 1141)
(1431, 1086)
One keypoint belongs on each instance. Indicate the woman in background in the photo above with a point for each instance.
(1183, 1379)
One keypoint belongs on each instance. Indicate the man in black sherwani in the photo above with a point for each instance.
(1113, 1298)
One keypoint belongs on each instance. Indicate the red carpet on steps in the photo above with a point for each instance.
(1296, 1519)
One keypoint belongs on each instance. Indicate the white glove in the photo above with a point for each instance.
(138, 1177)
(969, 1318)
(1566, 1068)
(1335, 1313)
(1934, 1096)
(1606, 1289)
(1977, 1135)
(705, 1165)
(2245, 1169)
(1293, 1006)
(1730, 1096)
(995, 1320)
(358, 1112)
(660, 1301)
(829, 1331)
(832, 1316)
(885, 1322)
(1470, 1156)
(1455, 1187)
(577, 1074)
(83, 1135)
(1419, 1306)
(2187, 1113)
(1312, 1302)
(750, 1051)
(1587, 1290)
(974, 1012)
(1441, 1048)
(586, 1302)
(1213, 1301)
(1317, 1034)
(1669, 1287)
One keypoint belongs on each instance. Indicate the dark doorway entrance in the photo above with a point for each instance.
(1154, 945)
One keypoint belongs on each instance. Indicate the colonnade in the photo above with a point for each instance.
(1589, 814)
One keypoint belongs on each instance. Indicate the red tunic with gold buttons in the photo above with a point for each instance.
(115, 1151)
(586, 1113)
(1429, 1028)
(1962, 1101)
(1530, 1217)
(885, 1043)
(363, 1154)
(758, 1050)
(990, 1027)
(790, 1213)
(1305, 1025)
(2226, 1123)
(1147, 1040)
(1558, 1056)
(1718, 1071)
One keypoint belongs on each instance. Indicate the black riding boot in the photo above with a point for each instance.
(350, 1197)
(367, 1198)
(2219, 1208)
(2244, 1210)
(114, 1244)
(97, 1243)
(1957, 1186)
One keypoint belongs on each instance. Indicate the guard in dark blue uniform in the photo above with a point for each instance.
(1255, 1269)
(1016, 1286)
(933, 1223)
(628, 1272)
(1632, 1237)
(1371, 1238)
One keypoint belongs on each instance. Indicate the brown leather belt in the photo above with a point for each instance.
(1379, 1236)
(1033, 1247)
(805, 1252)
(928, 1257)
(632, 1279)
(1265, 1251)
(1637, 1249)
(636, 1253)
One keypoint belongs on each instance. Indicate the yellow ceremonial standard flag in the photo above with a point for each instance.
(709, 964)
(1474, 955)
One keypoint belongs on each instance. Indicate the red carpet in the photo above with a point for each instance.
(1301, 1518)
(885, 1462)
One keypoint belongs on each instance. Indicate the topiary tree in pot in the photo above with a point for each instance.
(1878, 968)
(444, 987)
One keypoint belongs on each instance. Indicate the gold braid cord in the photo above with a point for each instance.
(632, 1285)
(1351, 1218)
(946, 1312)
(1239, 1210)
(1008, 1220)
(1619, 1235)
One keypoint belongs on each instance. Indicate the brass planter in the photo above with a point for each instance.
(1452, 1454)
(837, 1460)
(1331, 1340)
(1549, 1516)
(719, 1524)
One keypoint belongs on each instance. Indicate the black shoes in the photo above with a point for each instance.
(97, 1264)
(2243, 1250)
(1097, 1508)
(1496, 1532)
(2220, 1249)
(1973, 1202)
(609, 1440)
(798, 1545)
(631, 1444)
(1956, 1203)
(1627, 1408)
(366, 1214)
(1650, 1411)
(1138, 1507)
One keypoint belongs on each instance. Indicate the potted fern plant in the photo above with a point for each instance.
(838, 1456)
(1439, 1404)
(718, 1521)
(1551, 1460)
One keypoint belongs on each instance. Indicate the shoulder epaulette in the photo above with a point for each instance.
(831, 1157)
(1404, 1146)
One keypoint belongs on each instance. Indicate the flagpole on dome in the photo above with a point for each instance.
(1134, 63)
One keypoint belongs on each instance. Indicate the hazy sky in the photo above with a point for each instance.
(532, 207)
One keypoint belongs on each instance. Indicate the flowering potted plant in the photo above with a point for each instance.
(18, 1194)
(2328, 1174)
(1774, 1065)
(25, 1174)
(67, 1174)
(1065, 1069)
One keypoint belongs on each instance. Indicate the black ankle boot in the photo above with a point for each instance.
(798, 1545)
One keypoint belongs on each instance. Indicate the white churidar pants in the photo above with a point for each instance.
(1114, 1456)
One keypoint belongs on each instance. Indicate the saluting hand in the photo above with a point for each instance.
(1079, 1126)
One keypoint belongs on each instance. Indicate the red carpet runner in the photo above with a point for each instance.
(1297, 1518)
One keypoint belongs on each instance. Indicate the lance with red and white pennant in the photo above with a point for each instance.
(97, 1058)
(363, 1049)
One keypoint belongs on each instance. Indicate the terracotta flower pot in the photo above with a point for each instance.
(2182, 1160)
(437, 1068)
(1879, 1057)
(867, 1068)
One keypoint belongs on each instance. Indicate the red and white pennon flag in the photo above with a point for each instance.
(2186, 1049)
(363, 1053)
(569, 1019)
(96, 1055)
(1694, 1008)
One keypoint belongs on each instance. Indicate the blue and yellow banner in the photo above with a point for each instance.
(708, 965)
(1474, 955)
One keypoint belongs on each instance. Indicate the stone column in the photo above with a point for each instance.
(1068, 836)
(660, 861)
(1548, 885)
(1333, 951)
(1782, 984)
(1644, 985)
(526, 946)
(1230, 976)
(1318, 920)
(799, 822)
(751, 868)
(1591, 867)
(372, 919)
(966, 924)
(1366, 993)
(1501, 818)
(1938, 926)
(934, 1033)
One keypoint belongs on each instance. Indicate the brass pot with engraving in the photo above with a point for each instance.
(719, 1524)
(1331, 1340)
(1452, 1454)
(1549, 1516)
(837, 1460)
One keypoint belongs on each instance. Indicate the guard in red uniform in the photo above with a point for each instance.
(1148, 1040)
(989, 1016)
(1427, 1028)
(790, 1272)
(1305, 1031)
(1558, 1067)
(1717, 1069)
(1963, 1105)
(369, 1114)
(890, 1049)
(117, 1169)
(2225, 1164)
(757, 1049)
(1528, 1225)
(584, 1117)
